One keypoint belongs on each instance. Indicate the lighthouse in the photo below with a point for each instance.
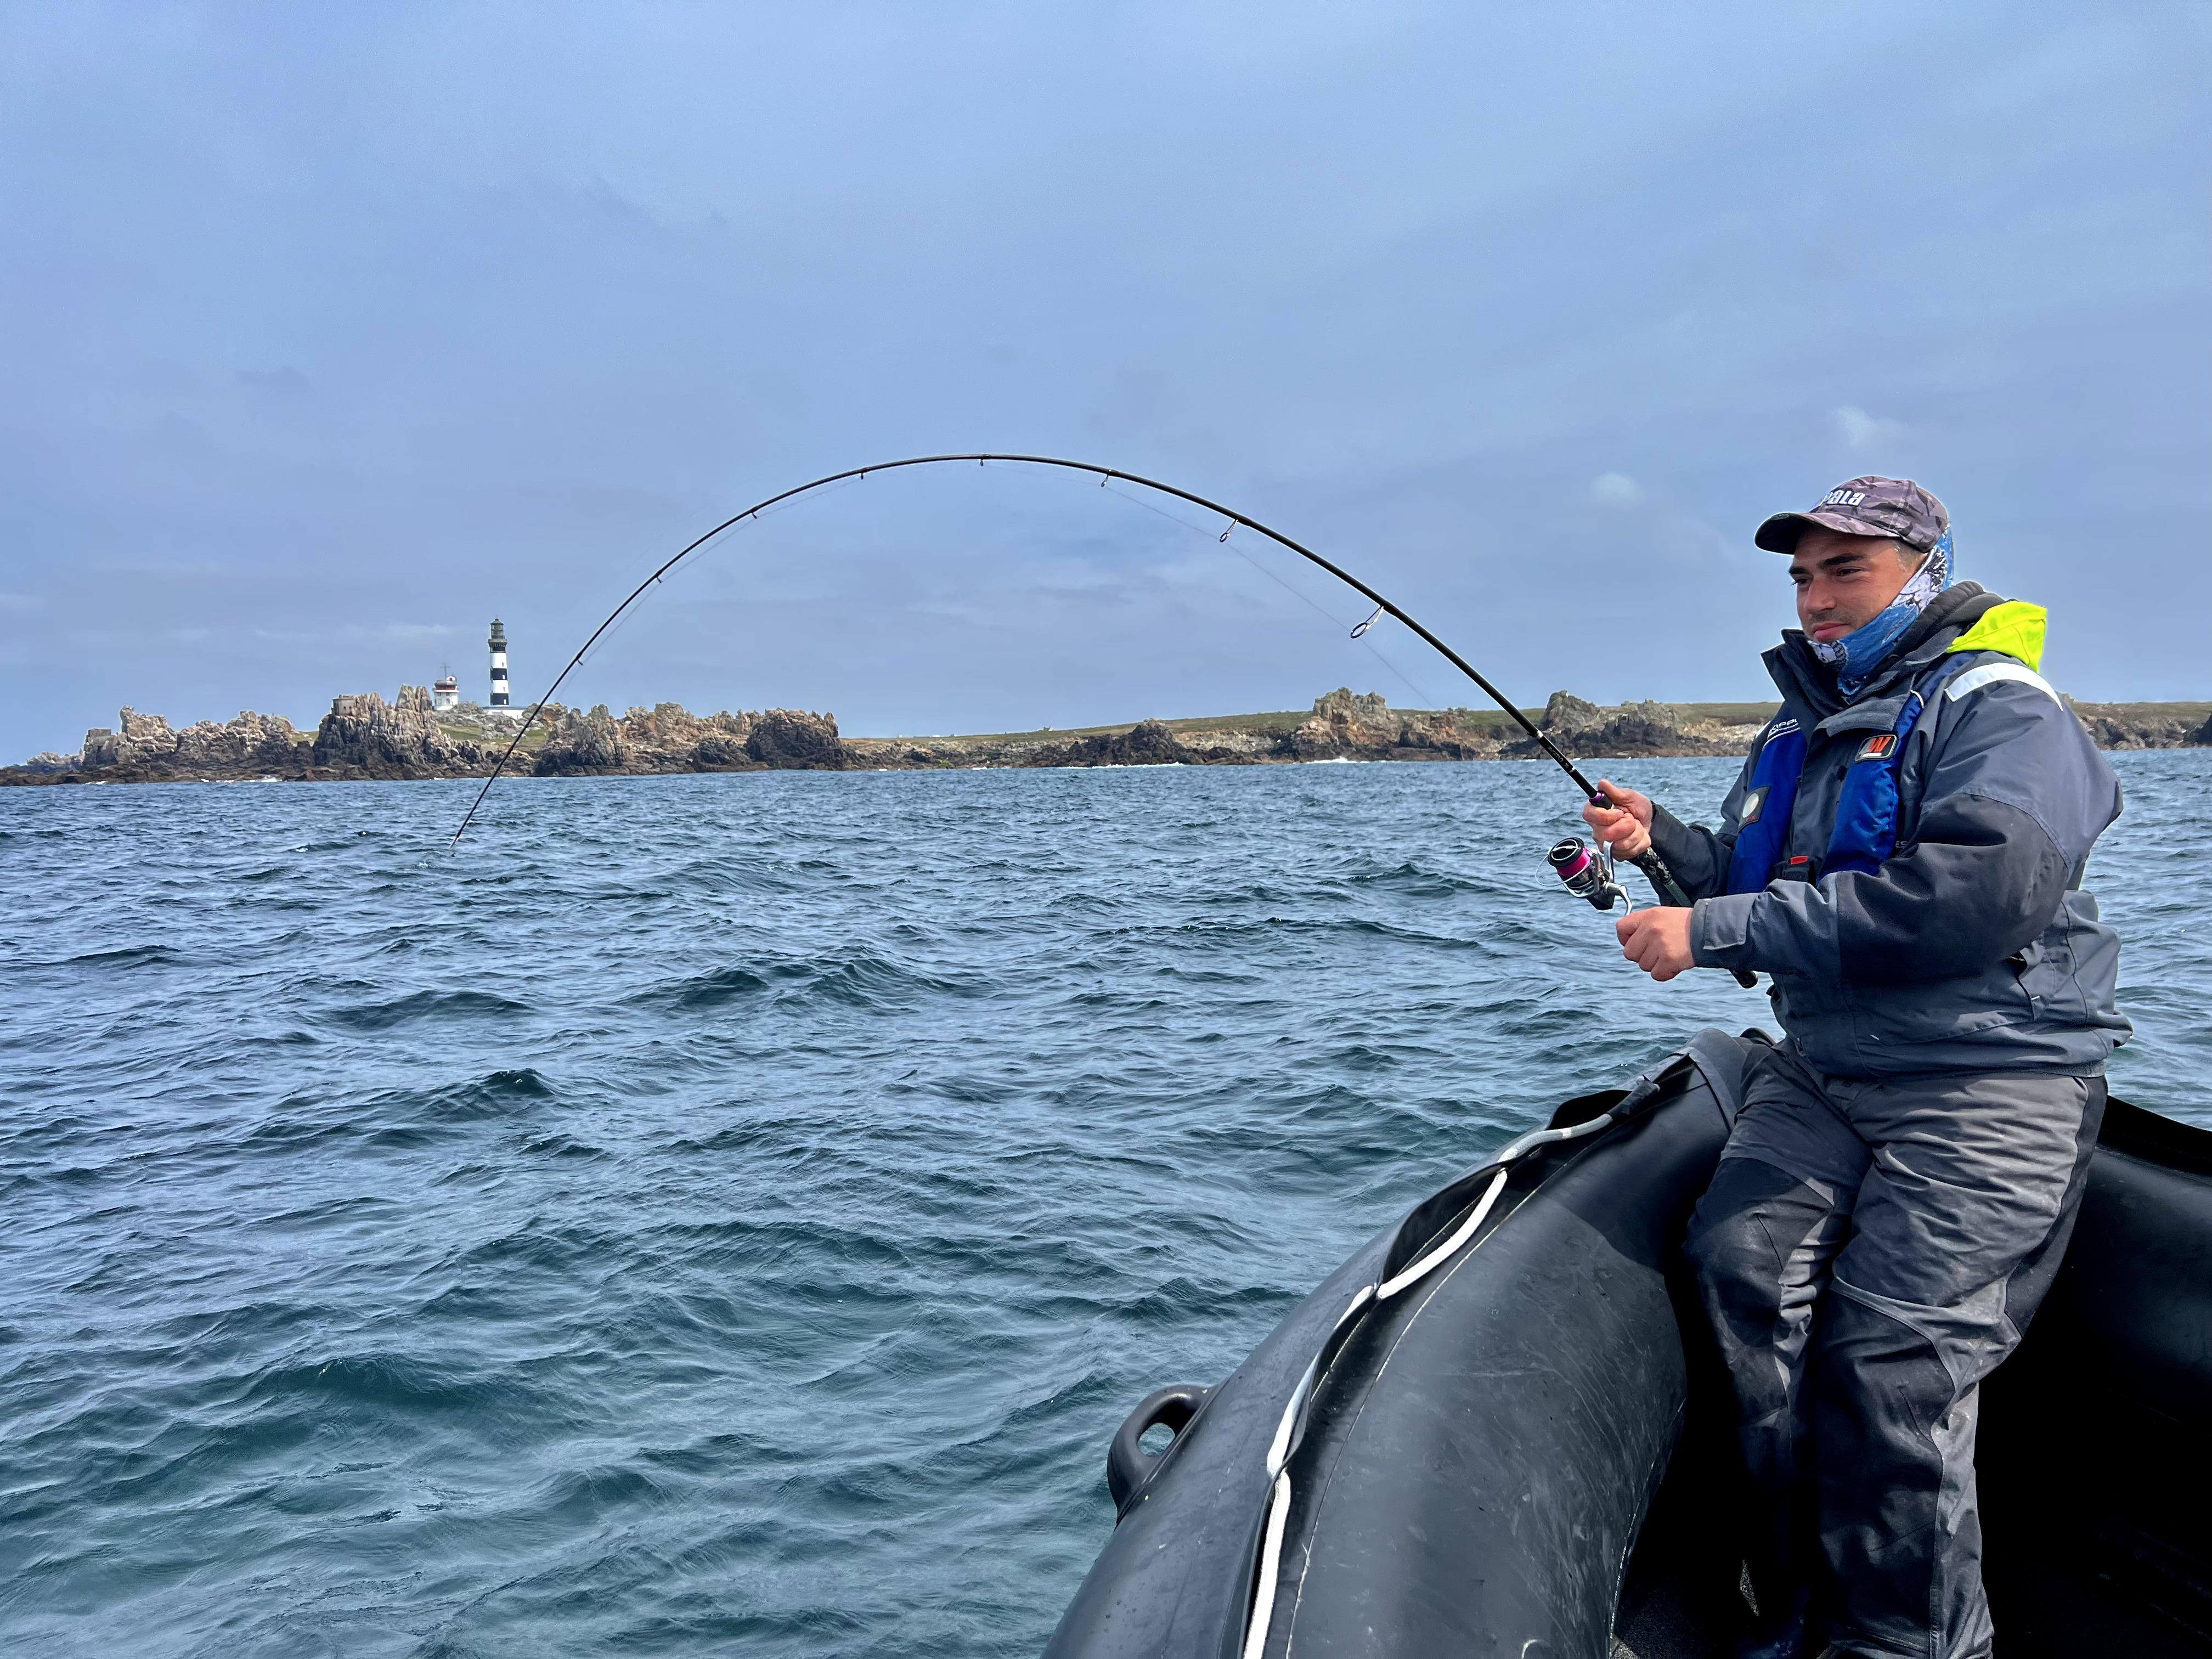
(498, 665)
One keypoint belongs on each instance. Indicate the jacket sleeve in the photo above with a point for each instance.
(2013, 797)
(1698, 856)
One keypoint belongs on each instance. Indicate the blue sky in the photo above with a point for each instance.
(332, 331)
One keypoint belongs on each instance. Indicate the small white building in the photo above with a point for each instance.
(446, 692)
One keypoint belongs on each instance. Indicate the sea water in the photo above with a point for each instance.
(731, 1213)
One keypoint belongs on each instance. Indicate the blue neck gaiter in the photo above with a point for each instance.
(1856, 655)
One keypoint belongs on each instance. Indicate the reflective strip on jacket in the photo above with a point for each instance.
(1962, 941)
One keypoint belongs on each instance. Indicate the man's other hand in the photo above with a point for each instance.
(1626, 825)
(1658, 941)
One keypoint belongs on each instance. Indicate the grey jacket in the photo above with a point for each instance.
(1973, 947)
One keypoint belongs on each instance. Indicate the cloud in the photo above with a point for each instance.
(373, 328)
(1860, 430)
(404, 632)
(286, 384)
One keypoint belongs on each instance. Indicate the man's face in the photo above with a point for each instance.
(1843, 582)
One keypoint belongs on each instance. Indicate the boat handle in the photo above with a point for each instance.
(1128, 1465)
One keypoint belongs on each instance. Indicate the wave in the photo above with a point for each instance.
(862, 980)
(709, 990)
(1419, 881)
(135, 955)
(422, 1005)
(391, 1382)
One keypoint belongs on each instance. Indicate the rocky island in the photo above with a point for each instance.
(363, 737)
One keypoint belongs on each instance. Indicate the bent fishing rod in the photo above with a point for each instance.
(1655, 868)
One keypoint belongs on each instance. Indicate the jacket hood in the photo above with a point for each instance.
(1809, 685)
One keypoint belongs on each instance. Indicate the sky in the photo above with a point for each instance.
(328, 333)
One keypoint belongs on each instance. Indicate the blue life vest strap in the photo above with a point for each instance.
(1866, 817)
(1865, 831)
(1766, 822)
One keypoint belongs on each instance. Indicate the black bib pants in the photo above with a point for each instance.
(1868, 1251)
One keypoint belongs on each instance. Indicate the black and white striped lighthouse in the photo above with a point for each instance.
(498, 665)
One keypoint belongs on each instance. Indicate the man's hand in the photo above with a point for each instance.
(1658, 941)
(1626, 825)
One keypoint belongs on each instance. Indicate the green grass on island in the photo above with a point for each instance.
(1289, 720)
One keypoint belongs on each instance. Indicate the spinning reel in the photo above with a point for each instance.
(1587, 872)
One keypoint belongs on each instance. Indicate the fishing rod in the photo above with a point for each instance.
(1655, 868)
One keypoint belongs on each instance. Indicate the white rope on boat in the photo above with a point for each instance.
(1292, 1429)
(1390, 1287)
(1271, 1556)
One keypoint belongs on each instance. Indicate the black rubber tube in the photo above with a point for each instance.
(1545, 1359)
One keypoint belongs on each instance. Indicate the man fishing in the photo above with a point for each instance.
(1903, 854)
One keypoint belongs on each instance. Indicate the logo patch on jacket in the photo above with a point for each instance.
(1881, 746)
(1753, 804)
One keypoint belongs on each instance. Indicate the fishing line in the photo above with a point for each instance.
(837, 489)
(1201, 530)
(1653, 865)
(1357, 633)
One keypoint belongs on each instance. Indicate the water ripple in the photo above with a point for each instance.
(733, 1213)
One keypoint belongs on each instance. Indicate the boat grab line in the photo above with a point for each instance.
(1290, 1433)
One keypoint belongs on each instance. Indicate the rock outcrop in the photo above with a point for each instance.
(268, 742)
(364, 737)
(139, 741)
(1639, 729)
(1584, 728)
(1344, 726)
(789, 739)
(1448, 734)
(589, 744)
(147, 746)
(668, 738)
(1366, 727)
(1148, 743)
(2120, 725)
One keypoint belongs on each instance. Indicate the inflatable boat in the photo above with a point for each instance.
(1498, 1431)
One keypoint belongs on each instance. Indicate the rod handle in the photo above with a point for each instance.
(1672, 896)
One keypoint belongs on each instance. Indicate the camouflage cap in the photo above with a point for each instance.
(1896, 508)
